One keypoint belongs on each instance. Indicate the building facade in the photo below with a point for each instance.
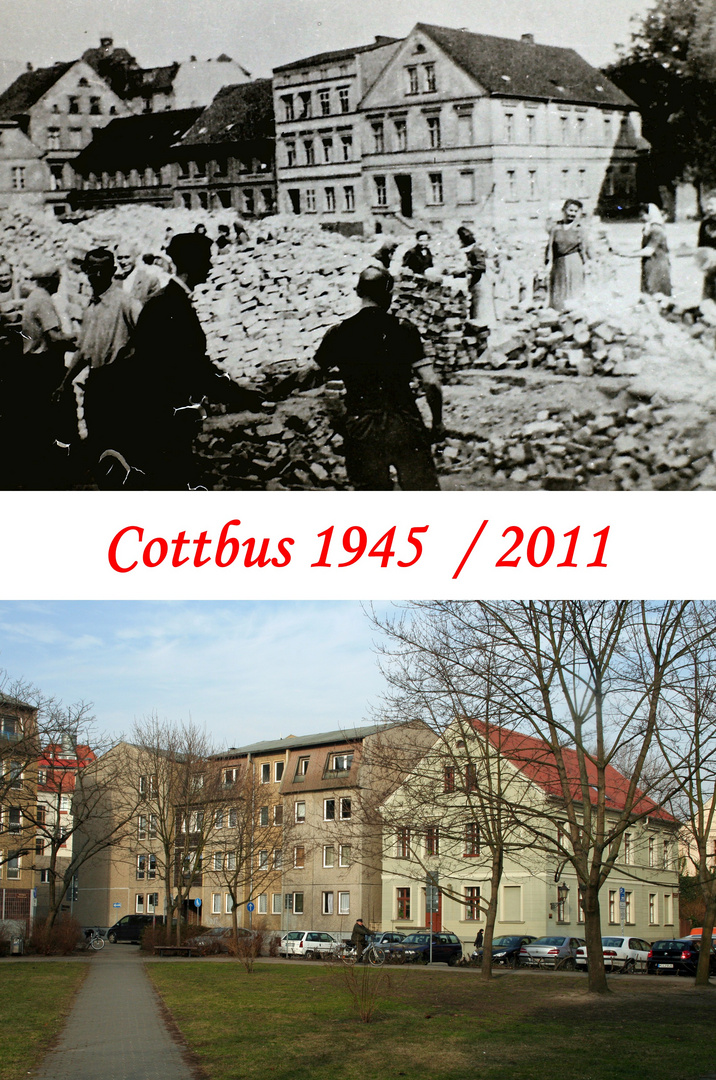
(18, 799)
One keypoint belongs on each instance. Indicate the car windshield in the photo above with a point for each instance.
(505, 942)
(612, 942)
(548, 941)
(295, 935)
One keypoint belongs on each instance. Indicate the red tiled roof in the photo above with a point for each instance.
(534, 757)
(62, 767)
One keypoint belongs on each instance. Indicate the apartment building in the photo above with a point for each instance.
(18, 798)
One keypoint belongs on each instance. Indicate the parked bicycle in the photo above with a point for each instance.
(372, 954)
(92, 939)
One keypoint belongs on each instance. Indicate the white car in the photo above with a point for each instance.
(622, 954)
(309, 944)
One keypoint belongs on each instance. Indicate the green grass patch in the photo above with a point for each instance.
(34, 1002)
(292, 1022)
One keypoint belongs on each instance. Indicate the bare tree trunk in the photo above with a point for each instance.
(596, 973)
(495, 878)
(702, 971)
(234, 921)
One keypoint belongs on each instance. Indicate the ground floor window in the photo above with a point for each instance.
(310, 200)
(653, 913)
(350, 197)
(276, 903)
(229, 904)
(262, 904)
(44, 877)
(436, 189)
(403, 903)
(472, 902)
(381, 191)
(668, 909)
(139, 902)
(613, 906)
(327, 903)
(580, 905)
(330, 200)
(216, 903)
(628, 907)
(152, 902)
(344, 903)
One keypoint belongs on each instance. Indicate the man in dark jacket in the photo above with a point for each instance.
(358, 937)
(419, 258)
(377, 356)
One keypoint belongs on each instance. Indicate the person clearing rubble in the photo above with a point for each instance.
(377, 356)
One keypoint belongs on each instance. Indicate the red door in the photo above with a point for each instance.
(435, 919)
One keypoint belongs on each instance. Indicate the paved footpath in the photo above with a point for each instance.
(115, 1030)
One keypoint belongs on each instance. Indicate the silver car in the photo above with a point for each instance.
(555, 951)
(622, 954)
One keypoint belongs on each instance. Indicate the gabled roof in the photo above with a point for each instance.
(14, 703)
(144, 81)
(298, 742)
(134, 141)
(62, 766)
(534, 758)
(28, 88)
(504, 66)
(239, 113)
(339, 54)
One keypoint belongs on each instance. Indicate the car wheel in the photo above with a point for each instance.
(629, 968)
(424, 958)
(112, 938)
(452, 960)
(570, 964)
(513, 962)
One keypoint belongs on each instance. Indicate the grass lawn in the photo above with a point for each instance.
(34, 1001)
(292, 1022)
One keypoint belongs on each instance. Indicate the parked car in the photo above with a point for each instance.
(677, 956)
(506, 950)
(387, 937)
(415, 948)
(620, 953)
(131, 927)
(220, 939)
(553, 951)
(309, 944)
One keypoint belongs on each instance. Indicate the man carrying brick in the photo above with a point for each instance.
(377, 356)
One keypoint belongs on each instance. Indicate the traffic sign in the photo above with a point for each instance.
(116, 904)
(622, 896)
(250, 906)
(197, 902)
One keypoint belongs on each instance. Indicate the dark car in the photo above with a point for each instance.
(415, 948)
(677, 956)
(220, 939)
(131, 928)
(506, 950)
(388, 937)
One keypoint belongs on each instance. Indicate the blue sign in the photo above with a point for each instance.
(197, 902)
(250, 906)
(116, 904)
(622, 896)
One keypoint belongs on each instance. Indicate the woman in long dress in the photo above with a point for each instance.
(654, 253)
(565, 255)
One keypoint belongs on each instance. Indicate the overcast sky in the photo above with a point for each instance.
(244, 671)
(264, 33)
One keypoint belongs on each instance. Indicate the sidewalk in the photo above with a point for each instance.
(115, 1030)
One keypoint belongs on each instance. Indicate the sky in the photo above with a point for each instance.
(262, 34)
(244, 671)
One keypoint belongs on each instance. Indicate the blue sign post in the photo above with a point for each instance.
(250, 906)
(197, 902)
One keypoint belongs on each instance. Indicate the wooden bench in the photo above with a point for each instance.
(177, 950)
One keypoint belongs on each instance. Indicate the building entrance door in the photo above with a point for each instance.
(434, 920)
(404, 185)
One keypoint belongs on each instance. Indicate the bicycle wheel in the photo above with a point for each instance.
(349, 958)
(97, 943)
(377, 957)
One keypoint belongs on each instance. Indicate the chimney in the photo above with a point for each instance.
(106, 43)
(529, 39)
(28, 66)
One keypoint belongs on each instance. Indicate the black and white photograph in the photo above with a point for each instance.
(294, 245)
(451, 832)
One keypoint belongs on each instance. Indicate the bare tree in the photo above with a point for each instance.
(179, 794)
(581, 679)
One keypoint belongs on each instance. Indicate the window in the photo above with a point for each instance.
(509, 127)
(613, 906)
(230, 860)
(582, 182)
(265, 772)
(628, 907)
(263, 859)
(324, 100)
(449, 779)
(276, 859)
(41, 815)
(653, 920)
(434, 132)
(472, 903)
(413, 85)
(402, 847)
(216, 903)
(13, 867)
(466, 187)
(95, 106)
(276, 903)
(14, 772)
(305, 98)
(511, 184)
(532, 183)
(327, 903)
(329, 809)
(13, 819)
(564, 129)
(248, 196)
(344, 855)
(330, 194)
(652, 851)
(298, 903)
(278, 772)
(668, 909)
(328, 855)
(300, 811)
(580, 905)
(152, 902)
(230, 777)
(302, 766)
(565, 182)
(39, 845)
(381, 192)
(343, 99)
(344, 903)
(470, 777)
(342, 762)
(73, 105)
(288, 112)
(139, 903)
(278, 814)
(64, 804)
(290, 154)
(581, 128)
(512, 903)
(141, 867)
(436, 188)
(142, 827)
(18, 177)
(666, 855)
(44, 877)
(430, 84)
(263, 815)
(349, 197)
(10, 728)
(229, 905)
(432, 841)
(347, 147)
(531, 128)
(233, 818)
(401, 134)
(262, 904)
(608, 130)
(345, 809)
(53, 138)
(218, 819)
(299, 856)
(217, 861)
(403, 904)
(472, 839)
(378, 136)
(196, 821)
(628, 849)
